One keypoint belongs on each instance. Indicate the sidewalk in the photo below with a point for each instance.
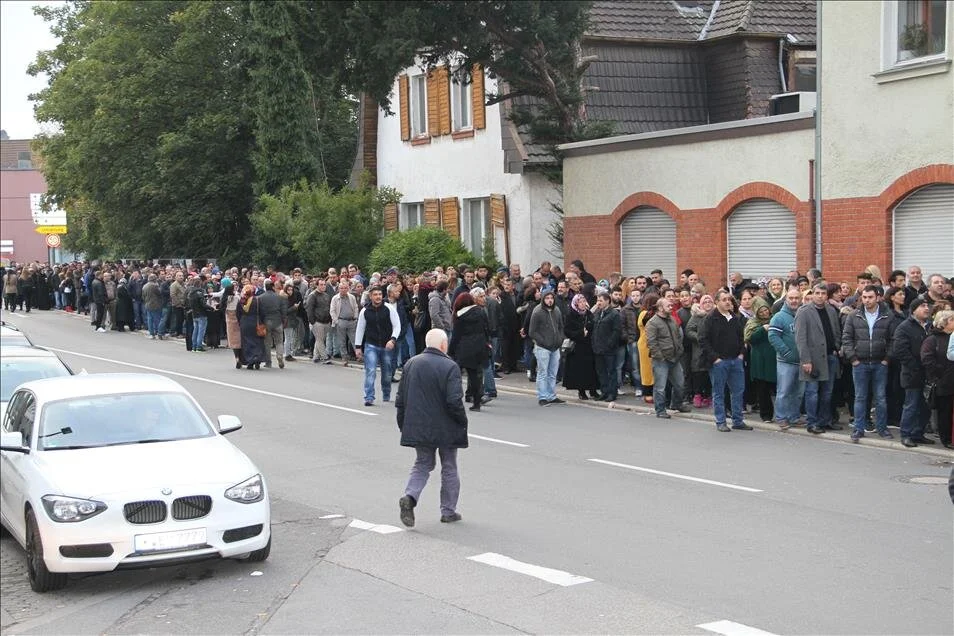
(517, 383)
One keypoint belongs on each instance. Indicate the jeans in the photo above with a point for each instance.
(606, 372)
(664, 370)
(153, 321)
(620, 361)
(139, 314)
(818, 396)
(870, 378)
(373, 356)
(199, 325)
(547, 364)
(788, 393)
(632, 350)
(729, 373)
(58, 297)
(915, 414)
(331, 342)
(164, 320)
(450, 479)
(291, 341)
(490, 385)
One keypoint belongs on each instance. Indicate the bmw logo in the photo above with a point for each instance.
(167, 491)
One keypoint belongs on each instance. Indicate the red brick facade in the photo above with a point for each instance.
(856, 232)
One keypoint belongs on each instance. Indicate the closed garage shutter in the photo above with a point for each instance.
(648, 238)
(761, 239)
(924, 231)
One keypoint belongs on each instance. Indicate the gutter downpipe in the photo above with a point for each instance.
(818, 136)
(781, 69)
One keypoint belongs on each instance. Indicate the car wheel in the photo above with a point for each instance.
(260, 555)
(41, 579)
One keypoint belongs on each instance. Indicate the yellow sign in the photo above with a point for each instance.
(50, 229)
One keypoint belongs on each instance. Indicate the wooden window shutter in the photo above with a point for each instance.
(498, 219)
(443, 100)
(450, 216)
(432, 212)
(404, 106)
(390, 217)
(433, 105)
(478, 97)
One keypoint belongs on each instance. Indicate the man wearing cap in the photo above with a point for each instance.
(378, 330)
(546, 332)
(906, 349)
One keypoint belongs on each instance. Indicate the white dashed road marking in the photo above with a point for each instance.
(499, 441)
(677, 476)
(332, 517)
(728, 628)
(374, 527)
(245, 389)
(557, 577)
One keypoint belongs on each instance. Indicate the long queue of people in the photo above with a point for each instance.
(792, 349)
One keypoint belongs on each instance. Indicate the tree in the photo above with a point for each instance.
(418, 250)
(310, 225)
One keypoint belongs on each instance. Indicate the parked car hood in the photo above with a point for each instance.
(100, 472)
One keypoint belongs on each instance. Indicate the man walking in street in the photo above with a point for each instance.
(273, 308)
(722, 341)
(906, 349)
(818, 338)
(379, 328)
(866, 342)
(546, 332)
(432, 420)
(664, 338)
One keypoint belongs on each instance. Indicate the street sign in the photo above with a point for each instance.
(50, 229)
(53, 240)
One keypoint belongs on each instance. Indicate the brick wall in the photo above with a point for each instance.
(856, 232)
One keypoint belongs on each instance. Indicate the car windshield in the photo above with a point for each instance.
(133, 418)
(15, 371)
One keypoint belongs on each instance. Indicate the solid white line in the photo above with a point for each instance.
(216, 382)
(374, 527)
(499, 441)
(728, 628)
(332, 517)
(677, 476)
(557, 577)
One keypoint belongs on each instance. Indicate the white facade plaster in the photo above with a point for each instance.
(875, 131)
(691, 175)
(469, 168)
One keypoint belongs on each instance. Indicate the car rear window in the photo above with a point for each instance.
(15, 371)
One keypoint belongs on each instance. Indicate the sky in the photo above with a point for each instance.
(22, 35)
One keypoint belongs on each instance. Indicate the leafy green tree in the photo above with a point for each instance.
(419, 249)
(310, 225)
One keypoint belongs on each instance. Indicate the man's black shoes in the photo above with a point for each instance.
(407, 504)
(450, 518)
(815, 430)
(907, 441)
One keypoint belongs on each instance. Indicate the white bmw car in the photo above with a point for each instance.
(111, 471)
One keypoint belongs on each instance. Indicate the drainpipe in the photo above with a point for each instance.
(819, 194)
(781, 69)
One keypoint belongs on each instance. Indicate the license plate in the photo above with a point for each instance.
(169, 540)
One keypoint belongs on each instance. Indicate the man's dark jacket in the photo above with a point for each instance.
(98, 291)
(720, 338)
(430, 402)
(906, 350)
(273, 308)
(607, 330)
(858, 344)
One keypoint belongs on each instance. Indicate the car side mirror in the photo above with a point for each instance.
(13, 441)
(228, 424)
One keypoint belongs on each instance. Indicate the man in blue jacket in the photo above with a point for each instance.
(432, 419)
(781, 335)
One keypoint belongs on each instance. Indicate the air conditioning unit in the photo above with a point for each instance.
(785, 103)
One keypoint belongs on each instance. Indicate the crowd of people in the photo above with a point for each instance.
(794, 349)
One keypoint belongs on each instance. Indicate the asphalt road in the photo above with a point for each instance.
(582, 520)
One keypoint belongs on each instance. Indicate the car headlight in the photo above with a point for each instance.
(70, 509)
(249, 491)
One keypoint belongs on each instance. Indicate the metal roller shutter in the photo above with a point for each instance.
(761, 239)
(648, 242)
(924, 230)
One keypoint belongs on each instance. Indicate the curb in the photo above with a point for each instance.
(757, 425)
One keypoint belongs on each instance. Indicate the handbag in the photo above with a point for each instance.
(260, 328)
(567, 346)
(930, 394)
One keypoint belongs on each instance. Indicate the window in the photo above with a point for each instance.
(24, 160)
(916, 29)
(475, 224)
(462, 102)
(418, 105)
(801, 71)
(412, 215)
